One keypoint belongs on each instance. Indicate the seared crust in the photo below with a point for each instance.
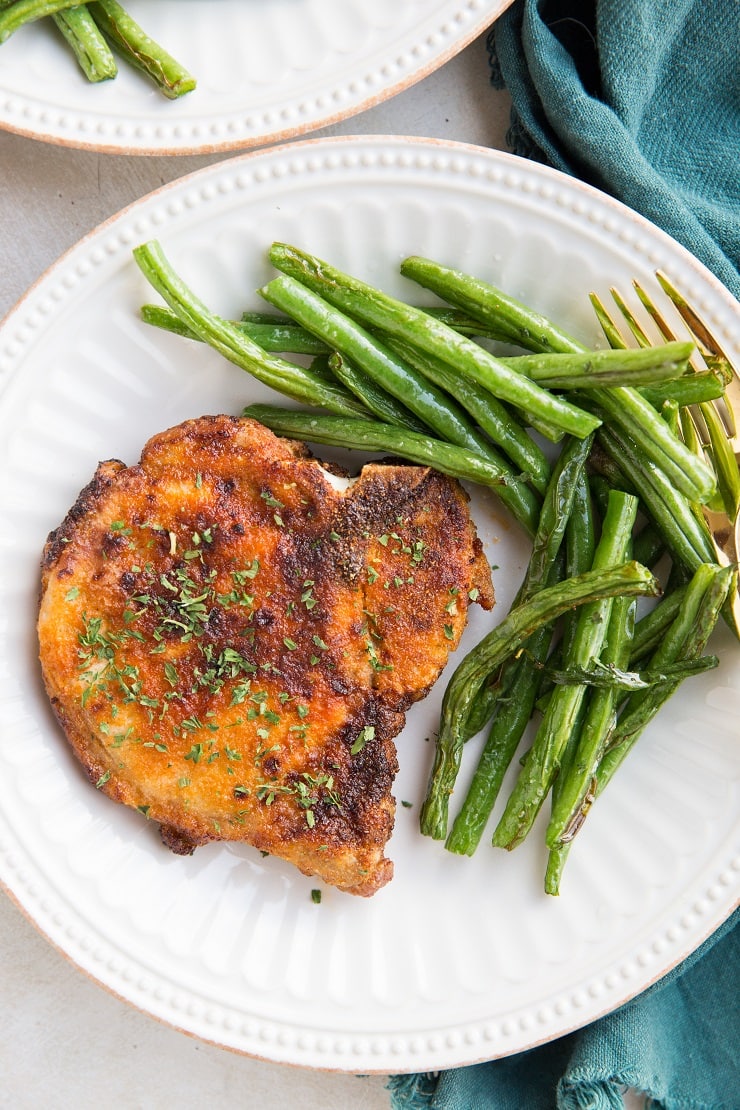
(229, 642)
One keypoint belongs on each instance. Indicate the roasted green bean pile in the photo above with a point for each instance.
(582, 447)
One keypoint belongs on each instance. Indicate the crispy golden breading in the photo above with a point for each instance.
(229, 641)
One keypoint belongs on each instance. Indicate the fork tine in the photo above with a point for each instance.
(652, 311)
(731, 407)
(614, 337)
(707, 343)
(637, 331)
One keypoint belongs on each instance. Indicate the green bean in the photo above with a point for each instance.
(566, 501)
(580, 548)
(494, 418)
(688, 431)
(294, 381)
(545, 755)
(88, 45)
(677, 576)
(138, 48)
(519, 624)
(599, 489)
(606, 465)
(557, 857)
(371, 435)
(376, 309)
(574, 794)
(265, 316)
(595, 369)
(563, 501)
(436, 409)
(556, 860)
(580, 533)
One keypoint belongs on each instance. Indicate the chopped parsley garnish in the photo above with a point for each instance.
(417, 552)
(307, 790)
(307, 596)
(367, 733)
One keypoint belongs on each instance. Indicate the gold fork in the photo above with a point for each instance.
(710, 427)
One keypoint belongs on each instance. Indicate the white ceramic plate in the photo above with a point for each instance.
(457, 959)
(266, 70)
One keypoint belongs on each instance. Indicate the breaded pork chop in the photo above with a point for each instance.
(229, 641)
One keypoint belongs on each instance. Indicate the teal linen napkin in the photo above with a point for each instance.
(640, 98)
(679, 1042)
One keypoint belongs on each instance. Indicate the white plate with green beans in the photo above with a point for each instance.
(197, 76)
(461, 957)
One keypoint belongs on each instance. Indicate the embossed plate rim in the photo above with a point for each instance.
(90, 935)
